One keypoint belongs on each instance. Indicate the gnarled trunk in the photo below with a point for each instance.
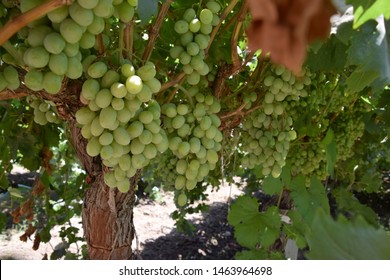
(108, 221)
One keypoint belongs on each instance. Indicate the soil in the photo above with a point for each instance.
(156, 235)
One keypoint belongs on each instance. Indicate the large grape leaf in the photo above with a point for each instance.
(370, 52)
(251, 227)
(366, 10)
(346, 240)
(272, 185)
(308, 200)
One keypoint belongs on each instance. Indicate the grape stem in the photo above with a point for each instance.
(101, 49)
(172, 82)
(225, 13)
(155, 29)
(11, 94)
(128, 38)
(236, 34)
(17, 23)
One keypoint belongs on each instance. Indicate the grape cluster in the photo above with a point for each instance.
(44, 111)
(194, 31)
(121, 120)
(194, 140)
(267, 133)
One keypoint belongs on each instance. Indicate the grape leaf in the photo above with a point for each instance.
(258, 255)
(370, 51)
(345, 240)
(272, 185)
(358, 80)
(252, 228)
(366, 10)
(307, 200)
(331, 56)
(347, 202)
(146, 9)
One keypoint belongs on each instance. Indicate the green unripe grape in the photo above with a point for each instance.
(118, 104)
(182, 200)
(125, 12)
(186, 38)
(119, 150)
(182, 109)
(11, 75)
(181, 166)
(154, 85)
(39, 117)
(33, 80)
(96, 128)
(211, 132)
(104, 9)
(174, 143)
(194, 145)
(157, 138)
(169, 109)
(202, 153)
(54, 43)
(206, 16)
(269, 98)
(44, 107)
(52, 117)
(139, 161)
(97, 69)
(175, 51)
(93, 147)
(106, 138)
(185, 58)
(71, 49)
(205, 123)
(58, 64)
(194, 25)
(90, 89)
(123, 185)
(109, 179)
(107, 117)
(278, 110)
(135, 129)
(292, 135)
(178, 121)
(189, 15)
(133, 3)
(134, 84)
(147, 72)
(84, 116)
(145, 117)
(215, 120)
(191, 175)
(190, 184)
(204, 170)
(109, 78)
(118, 90)
(136, 147)
(213, 6)
(197, 62)
(206, 29)
(103, 98)
(97, 26)
(183, 148)
(268, 109)
(52, 83)
(124, 162)
(193, 78)
(180, 182)
(181, 26)
(59, 14)
(145, 94)
(202, 41)
(150, 151)
(71, 31)
(36, 57)
(192, 48)
(153, 127)
(106, 152)
(194, 165)
(87, 41)
(187, 68)
(127, 70)
(279, 70)
(124, 115)
(75, 68)
(121, 136)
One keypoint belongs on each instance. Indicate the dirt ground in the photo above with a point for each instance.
(156, 236)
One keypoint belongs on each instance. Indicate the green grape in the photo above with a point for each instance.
(134, 84)
(58, 64)
(75, 68)
(88, 4)
(54, 43)
(36, 57)
(104, 9)
(33, 80)
(206, 16)
(71, 31)
(97, 26)
(52, 83)
(97, 69)
(181, 26)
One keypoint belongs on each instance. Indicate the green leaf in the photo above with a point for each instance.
(259, 254)
(366, 10)
(15, 192)
(307, 200)
(3, 221)
(348, 203)
(252, 228)
(297, 229)
(147, 9)
(359, 79)
(329, 137)
(331, 157)
(330, 57)
(286, 174)
(345, 240)
(272, 185)
(370, 51)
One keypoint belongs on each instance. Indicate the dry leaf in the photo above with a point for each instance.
(27, 234)
(284, 28)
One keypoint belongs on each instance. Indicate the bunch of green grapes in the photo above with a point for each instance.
(267, 132)
(124, 9)
(121, 120)
(194, 31)
(194, 139)
(53, 51)
(44, 111)
(266, 142)
(9, 78)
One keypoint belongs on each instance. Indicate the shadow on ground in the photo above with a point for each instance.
(213, 239)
